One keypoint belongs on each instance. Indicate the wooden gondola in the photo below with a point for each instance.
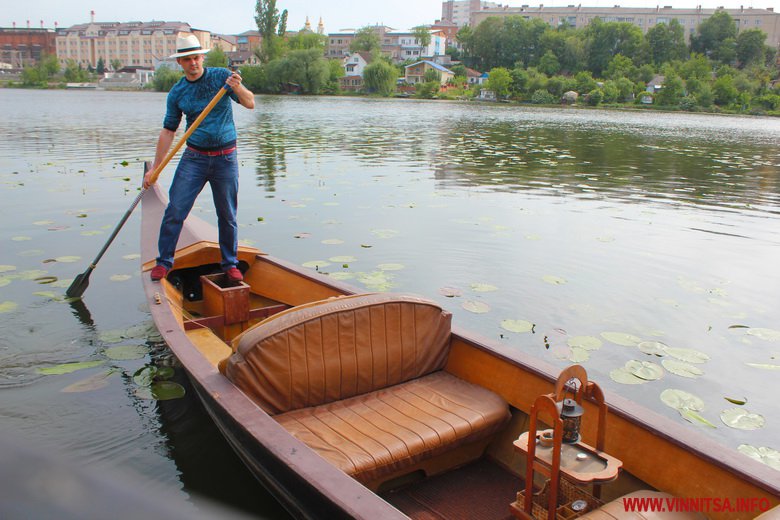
(352, 405)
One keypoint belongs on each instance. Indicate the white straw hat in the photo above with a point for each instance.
(187, 45)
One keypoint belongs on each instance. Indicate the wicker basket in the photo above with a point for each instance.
(568, 494)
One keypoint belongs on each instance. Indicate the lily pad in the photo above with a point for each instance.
(694, 417)
(738, 402)
(682, 369)
(483, 287)
(21, 238)
(476, 307)
(384, 233)
(554, 280)
(341, 276)
(125, 352)
(132, 256)
(43, 280)
(8, 306)
(585, 342)
(376, 280)
(4, 280)
(763, 454)
(316, 264)
(742, 419)
(119, 277)
(680, 399)
(517, 325)
(147, 375)
(161, 391)
(623, 376)
(332, 241)
(67, 368)
(6, 268)
(621, 338)
(765, 334)
(688, 355)
(653, 348)
(764, 366)
(645, 370)
(342, 259)
(93, 382)
(579, 355)
(46, 294)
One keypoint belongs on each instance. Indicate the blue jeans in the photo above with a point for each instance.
(192, 174)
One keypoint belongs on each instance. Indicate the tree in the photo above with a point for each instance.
(314, 71)
(672, 91)
(74, 73)
(585, 82)
(165, 78)
(367, 40)
(666, 42)
(380, 77)
(101, 66)
(216, 58)
(714, 36)
(269, 25)
(465, 37)
(605, 40)
(422, 34)
(750, 47)
(723, 91)
(499, 81)
(116, 64)
(253, 77)
(620, 67)
(307, 40)
(432, 75)
(549, 64)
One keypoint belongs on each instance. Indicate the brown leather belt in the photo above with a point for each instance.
(213, 153)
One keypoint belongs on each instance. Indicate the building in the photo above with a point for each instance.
(399, 45)
(415, 73)
(22, 47)
(459, 11)
(354, 65)
(130, 44)
(643, 17)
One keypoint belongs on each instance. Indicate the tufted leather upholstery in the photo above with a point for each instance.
(373, 435)
(337, 349)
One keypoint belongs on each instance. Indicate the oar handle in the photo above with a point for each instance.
(159, 168)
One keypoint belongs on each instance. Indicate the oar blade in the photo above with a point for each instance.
(79, 285)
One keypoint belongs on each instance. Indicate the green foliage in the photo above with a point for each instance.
(307, 40)
(520, 78)
(549, 64)
(453, 53)
(499, 81)
(165, 78)
(605, 40)
(585, 82)
(367, 40)
(253, 77)
(432, 75)
(666, 42)
(723, 90)
(698, 66)
(305, 69)
(116, 64)
(101, 66)
(688, 103)
(611, 92)
(645, 73)
(625, 89)
(34, 77)
(750, 47)
(269, 25)
(594, 97)
(504, 42)
(50, 64)
(620, 67)
(216, 58)
(427, 90)
(672, 91)
(75, 74)
(380, 77)
(543, 97)
(422, 34)
(715, 37)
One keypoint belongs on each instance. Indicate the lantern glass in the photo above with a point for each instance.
(571, 415)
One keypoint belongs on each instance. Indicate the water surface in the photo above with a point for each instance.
(661, 226)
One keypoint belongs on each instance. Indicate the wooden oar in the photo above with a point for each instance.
(81, 282)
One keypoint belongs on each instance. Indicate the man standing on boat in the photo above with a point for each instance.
(210, 155)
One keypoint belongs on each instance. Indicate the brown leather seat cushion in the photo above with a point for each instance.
(337, 349)
(617, 509)
(373, 435)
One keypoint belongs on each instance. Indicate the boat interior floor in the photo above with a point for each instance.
(451, 495)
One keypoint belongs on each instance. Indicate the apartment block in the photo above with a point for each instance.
(139, 44)
(399, 45)
(459, 11)
(643, 17)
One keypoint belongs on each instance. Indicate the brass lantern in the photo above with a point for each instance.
(571, 415)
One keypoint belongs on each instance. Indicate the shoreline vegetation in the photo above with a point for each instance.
(609, 65)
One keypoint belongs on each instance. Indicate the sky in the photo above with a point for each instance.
(236, 16)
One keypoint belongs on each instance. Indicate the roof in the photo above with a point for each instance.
(432, 64)
(471, 73)
(109, 27)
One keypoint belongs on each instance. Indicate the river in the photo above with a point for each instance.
(536, 227)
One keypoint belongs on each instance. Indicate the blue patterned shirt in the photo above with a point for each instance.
(186, 97)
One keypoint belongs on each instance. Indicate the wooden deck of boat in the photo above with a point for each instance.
(450, 496)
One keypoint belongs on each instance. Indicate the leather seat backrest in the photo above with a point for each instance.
(339, 348)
